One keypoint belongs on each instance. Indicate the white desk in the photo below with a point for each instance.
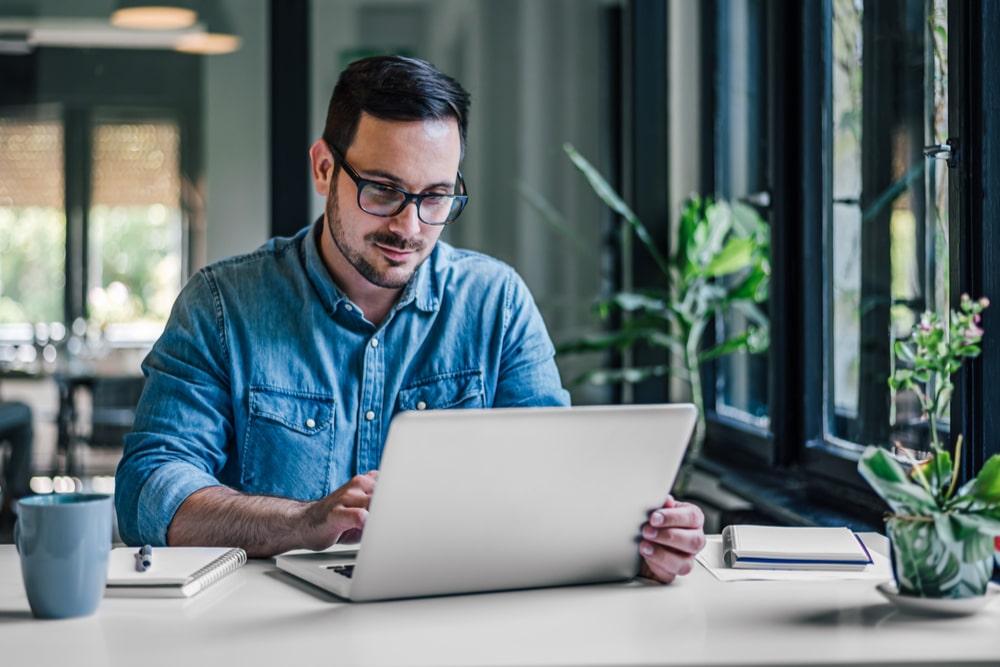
(260, 616)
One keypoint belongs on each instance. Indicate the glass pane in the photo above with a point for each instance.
(32, 236)
(135, 235)
(888, 210)
(741, 172)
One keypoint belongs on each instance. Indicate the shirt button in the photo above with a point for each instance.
(374, 342)
(310, 423)
(348, 307)
(369, 415)
(421, 405)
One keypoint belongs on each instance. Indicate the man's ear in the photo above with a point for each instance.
(322, 167)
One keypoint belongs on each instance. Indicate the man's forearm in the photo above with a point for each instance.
(219, 516)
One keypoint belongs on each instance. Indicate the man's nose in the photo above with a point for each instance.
(406, 223)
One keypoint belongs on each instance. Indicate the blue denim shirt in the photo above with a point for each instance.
(267, 379)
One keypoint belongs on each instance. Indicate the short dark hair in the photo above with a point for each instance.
(393, 88)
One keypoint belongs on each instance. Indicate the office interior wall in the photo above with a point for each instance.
(686, 118)
(237, 155)
(684, 88)
(535, 70)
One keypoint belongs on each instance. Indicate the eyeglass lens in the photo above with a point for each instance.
(385, 201)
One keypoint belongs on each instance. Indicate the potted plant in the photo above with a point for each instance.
(720, 263)
(942, 532)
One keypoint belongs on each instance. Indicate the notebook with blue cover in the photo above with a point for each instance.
(746, 546)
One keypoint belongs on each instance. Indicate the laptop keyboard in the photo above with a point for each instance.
(346, 570)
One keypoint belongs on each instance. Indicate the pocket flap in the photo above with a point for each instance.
(300, 412)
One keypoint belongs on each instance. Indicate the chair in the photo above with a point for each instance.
(113, 402)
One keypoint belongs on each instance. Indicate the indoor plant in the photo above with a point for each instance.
(942, 533)
(720, 263)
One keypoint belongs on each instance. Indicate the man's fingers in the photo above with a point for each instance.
(679, 514)
(665, 564)
(358, 491)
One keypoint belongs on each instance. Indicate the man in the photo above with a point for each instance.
(270, 393)
(17, 430)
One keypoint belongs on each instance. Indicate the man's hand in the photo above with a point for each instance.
(268, 525)
(340, 516)
(671, 538)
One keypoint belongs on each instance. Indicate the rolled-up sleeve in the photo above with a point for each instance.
(183, 430)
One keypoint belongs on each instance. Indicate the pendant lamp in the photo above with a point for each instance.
(154, 14)
(218, 36)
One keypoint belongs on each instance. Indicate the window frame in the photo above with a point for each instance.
(797, 450)
(127, 83)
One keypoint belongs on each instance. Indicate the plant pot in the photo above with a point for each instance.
(925, 565)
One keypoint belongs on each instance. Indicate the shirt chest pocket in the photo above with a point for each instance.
(288, 445)
(458, 389)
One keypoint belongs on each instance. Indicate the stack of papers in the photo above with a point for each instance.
(793, 548)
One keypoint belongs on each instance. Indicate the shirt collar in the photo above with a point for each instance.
(422, 290)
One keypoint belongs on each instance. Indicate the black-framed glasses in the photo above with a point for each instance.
(386, 201)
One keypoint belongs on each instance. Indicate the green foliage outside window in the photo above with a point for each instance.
(32, 261)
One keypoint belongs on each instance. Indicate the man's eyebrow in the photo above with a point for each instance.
(370, 174)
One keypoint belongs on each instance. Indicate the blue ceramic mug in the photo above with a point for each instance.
(64, 540)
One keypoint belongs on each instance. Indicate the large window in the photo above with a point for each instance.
(135, 247)
(32, 219)
(888, 237)
(93, 161)
(843, 122)
(741, 173)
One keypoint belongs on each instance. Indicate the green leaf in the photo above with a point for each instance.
(937, 470)
(986, 488)
(608, 195)
(946, 530)
(888, 479)
(631, 302)
(904, 351)
(737, 254)
(976, 535)
(740, 342)
(748, 223)
(596, 343)
(754, 287)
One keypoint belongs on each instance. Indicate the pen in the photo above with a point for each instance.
(144, 558)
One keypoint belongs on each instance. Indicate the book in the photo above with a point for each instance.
(173, 571)
(746, 546)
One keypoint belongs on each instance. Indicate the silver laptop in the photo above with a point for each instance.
(507, 498)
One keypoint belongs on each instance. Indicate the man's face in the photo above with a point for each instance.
(419, 157)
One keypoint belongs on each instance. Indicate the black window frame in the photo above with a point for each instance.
(794, 459)
(91, 84)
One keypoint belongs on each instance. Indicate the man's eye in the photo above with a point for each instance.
(381, 192)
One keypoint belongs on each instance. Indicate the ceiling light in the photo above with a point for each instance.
(153, 15)
(207, 43)
(218, 35)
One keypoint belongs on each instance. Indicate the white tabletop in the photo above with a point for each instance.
(261, 616)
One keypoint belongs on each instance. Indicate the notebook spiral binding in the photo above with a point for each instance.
(220, 567)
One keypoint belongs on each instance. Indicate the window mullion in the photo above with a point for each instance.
(77, 184)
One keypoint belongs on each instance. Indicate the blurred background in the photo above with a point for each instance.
(135, 149)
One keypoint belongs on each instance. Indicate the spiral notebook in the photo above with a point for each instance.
(173, 572)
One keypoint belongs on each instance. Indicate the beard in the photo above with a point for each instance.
(355, 255)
